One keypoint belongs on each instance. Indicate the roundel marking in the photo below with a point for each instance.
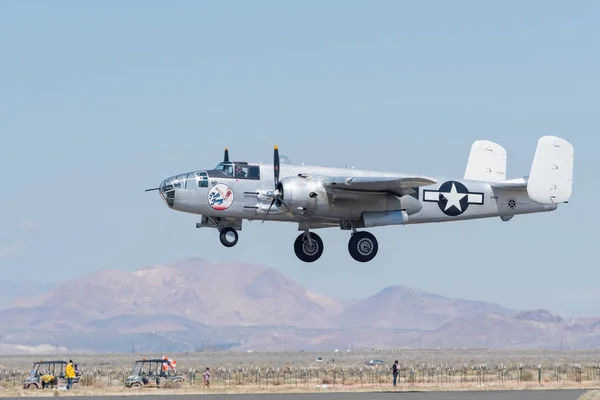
(511, 203)
(453, 198)
(220, 197)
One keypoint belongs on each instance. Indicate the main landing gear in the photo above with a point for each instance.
(308, 247)
(362, 246)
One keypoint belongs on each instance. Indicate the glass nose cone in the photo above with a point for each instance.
(167, 192)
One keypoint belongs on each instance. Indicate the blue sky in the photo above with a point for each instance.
(101, 100)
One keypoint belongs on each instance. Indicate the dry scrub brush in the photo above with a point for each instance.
(591, 395)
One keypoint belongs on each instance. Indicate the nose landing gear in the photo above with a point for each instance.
(228, 237)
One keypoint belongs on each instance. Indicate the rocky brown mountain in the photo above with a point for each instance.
(195, 303)
(401, 307)
(201, 291)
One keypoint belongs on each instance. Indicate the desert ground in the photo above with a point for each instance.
(300, 372)
(461, 395)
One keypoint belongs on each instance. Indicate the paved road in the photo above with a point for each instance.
(491, 395)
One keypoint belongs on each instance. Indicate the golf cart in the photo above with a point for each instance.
(151, 373)
(47, 374)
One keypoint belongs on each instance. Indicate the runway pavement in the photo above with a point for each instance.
(491, 395)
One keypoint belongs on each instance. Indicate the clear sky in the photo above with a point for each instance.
(101, 100)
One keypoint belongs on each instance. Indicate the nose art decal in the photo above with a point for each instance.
(220, 197)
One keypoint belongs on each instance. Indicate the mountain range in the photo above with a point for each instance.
(193, 304)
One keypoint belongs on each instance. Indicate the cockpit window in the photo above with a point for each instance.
(253, 172)
(178, 180)
(239, 170)
(226, 168)
(202, 178)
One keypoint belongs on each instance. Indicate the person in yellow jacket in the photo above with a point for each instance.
(47, 380)
(70, 374)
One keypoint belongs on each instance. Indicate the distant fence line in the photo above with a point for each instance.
(298, 376)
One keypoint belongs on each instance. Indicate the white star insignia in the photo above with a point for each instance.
(453, 198)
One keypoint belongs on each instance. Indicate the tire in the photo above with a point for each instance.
(363, 246)
(228, 237)
(308, 250)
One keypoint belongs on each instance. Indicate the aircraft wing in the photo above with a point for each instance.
(394, 185)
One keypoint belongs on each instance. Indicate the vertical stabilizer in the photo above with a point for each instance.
(551, 177)
(487, 162)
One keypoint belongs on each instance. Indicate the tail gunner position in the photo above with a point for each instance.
(319, 197)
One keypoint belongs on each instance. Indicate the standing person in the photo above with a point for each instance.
(395, 371)
(206, 376)
(70, 374)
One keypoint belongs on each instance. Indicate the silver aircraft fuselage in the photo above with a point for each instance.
(246, 198)
(352, 199)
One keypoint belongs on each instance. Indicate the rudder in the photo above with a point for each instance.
(551, 176)
(487, 162)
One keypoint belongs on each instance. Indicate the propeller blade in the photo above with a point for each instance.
(148, 190)
(267, 214)
(226, 156)
(276, 195)
(276, 165)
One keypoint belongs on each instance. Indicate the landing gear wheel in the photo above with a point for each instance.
(228, 237)
(363, 246)
(308, 248)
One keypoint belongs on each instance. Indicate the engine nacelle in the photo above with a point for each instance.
(300, 193)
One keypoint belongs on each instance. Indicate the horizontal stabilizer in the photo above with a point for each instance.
(551, 177)
(511, 184)
(487, 162)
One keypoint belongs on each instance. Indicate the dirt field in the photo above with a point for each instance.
(356, 358)
(232, 372)
(198, 389)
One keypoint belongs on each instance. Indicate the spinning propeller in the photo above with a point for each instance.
(277, 195)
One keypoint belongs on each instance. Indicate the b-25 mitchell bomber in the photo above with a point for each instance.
(320, 197)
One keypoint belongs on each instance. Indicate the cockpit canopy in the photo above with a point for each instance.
(238, 170)
(200, 179)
